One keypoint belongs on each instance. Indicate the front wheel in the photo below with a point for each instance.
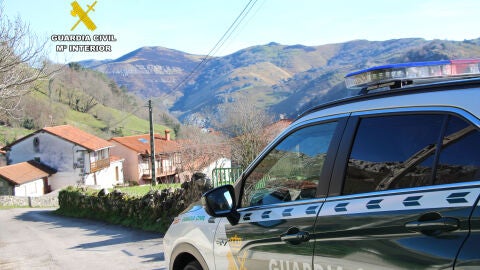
(193, 265)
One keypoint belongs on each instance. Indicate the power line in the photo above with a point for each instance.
(242, 24)
(219, 43)
(231, 29)
(235, 28)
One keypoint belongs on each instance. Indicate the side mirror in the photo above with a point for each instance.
(220, 202)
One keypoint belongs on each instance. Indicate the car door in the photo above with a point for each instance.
(403, 189)
(469, 256)
(280, 197)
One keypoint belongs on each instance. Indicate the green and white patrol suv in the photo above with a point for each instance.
(388, 179)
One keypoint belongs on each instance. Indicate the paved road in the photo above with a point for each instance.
(39, 239)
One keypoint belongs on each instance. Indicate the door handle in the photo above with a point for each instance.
(433, 226)
(294, 236)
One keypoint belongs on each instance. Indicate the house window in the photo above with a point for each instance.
(36, 144)
(101, 154)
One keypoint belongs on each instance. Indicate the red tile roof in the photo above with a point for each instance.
(141, 143)
(78, 136)
(272, 130)
(25, 172)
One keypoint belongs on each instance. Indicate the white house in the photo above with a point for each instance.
(25, 179)
(77, 156)
(217, 164)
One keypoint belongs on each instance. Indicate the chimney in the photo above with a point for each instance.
(167, 134)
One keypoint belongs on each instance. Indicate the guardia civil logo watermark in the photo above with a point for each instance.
(83, 16)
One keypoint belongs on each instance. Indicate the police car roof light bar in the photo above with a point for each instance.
(397, 75)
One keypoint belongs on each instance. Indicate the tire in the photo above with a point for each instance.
(186, 253)
(193, 265)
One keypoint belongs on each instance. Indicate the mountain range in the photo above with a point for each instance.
(284, 79)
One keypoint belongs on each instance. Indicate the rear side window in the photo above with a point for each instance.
(402, 151)
(459, 159)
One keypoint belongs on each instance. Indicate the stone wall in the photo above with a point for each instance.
(43, 201)
(154, 211)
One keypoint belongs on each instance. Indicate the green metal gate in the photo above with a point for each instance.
(224, 176)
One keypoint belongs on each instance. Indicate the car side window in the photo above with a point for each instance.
(459, 159)
(291, 171)
(401, 151)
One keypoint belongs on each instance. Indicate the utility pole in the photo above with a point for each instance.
(152, 143)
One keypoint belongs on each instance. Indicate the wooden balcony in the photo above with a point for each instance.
(99, 165)
(170, 170)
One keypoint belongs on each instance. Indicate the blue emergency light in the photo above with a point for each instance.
(397, 75)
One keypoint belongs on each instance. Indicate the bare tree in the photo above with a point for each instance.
(200, 148)
(22, 62)
(245, 123)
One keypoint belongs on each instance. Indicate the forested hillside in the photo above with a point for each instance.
(85, 98)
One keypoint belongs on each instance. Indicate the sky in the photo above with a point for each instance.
(195, 26)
